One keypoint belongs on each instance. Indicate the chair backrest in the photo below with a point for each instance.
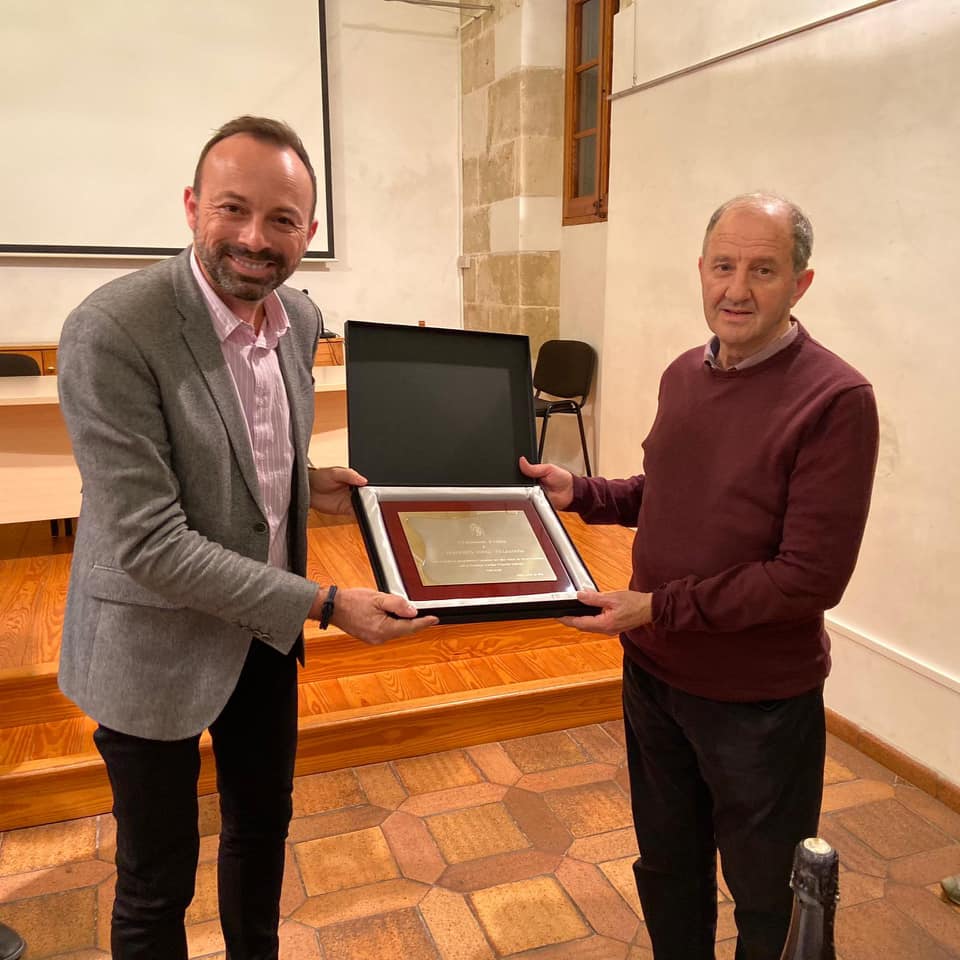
(565, 368)
(18, 365)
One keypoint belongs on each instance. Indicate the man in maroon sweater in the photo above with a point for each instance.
(749, 517)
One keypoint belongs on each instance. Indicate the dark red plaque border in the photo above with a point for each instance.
(416, 590)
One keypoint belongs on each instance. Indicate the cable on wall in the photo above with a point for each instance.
(445, 3)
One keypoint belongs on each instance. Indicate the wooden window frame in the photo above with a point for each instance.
(590, 208)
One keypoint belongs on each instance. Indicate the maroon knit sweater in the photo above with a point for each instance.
(749, 518)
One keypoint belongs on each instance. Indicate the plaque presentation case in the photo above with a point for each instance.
(436, 421)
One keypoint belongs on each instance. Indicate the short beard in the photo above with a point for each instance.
(222, 274)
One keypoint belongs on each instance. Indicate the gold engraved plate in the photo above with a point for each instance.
(452, 547)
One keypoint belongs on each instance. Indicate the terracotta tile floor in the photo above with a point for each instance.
(513, 849)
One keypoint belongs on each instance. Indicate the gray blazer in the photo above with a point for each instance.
(169, 582)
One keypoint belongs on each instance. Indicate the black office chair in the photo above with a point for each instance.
(564, 370)
(22, 365)
(18, 365)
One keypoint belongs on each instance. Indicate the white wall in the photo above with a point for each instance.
(393, 72)
(583, 255)
(661, 43)
(858, 122)
(394, 110)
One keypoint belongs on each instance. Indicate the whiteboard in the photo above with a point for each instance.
(107, 103)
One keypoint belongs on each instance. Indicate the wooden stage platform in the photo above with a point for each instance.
(448, 687)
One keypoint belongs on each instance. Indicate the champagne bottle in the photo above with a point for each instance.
(815, 893)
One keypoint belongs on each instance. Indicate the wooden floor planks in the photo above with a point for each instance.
(450, 686)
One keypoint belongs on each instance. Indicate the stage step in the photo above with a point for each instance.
(68, 786)
(449, 687)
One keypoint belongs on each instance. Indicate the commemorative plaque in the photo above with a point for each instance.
(437, 421)
(470, 546)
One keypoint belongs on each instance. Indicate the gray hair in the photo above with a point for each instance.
(800, 225)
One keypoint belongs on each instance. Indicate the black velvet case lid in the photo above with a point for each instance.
(439, 414)
(427, 405)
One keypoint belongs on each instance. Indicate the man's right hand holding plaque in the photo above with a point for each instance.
(622, 609)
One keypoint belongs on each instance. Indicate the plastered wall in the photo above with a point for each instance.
(858, 121)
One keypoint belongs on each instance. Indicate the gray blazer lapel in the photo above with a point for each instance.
(203, 343)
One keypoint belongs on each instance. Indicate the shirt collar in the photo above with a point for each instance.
(712, 348)
(225, 321)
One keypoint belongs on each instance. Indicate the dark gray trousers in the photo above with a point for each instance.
(155, 805)
(746, 778)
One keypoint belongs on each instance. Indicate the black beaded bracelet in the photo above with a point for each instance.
(326, 611)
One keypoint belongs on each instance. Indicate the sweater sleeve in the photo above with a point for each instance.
(607, 501)
(827, 506)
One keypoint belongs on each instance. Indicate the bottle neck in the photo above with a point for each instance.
(814, 881)
(810, 936)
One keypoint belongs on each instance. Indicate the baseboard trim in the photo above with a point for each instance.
(872, 684)
(922, 777)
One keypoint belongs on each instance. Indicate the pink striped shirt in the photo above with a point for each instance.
(253, 363)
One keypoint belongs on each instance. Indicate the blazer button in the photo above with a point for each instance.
(260, 526)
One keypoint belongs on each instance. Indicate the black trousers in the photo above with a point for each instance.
(155, 805)
(746, 778)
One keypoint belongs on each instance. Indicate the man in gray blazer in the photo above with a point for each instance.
(187, 391)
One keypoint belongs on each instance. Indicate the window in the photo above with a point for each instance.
(586, 139)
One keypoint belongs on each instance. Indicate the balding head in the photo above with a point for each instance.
(774, 205)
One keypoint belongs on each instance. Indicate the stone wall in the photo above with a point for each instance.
(512, 132)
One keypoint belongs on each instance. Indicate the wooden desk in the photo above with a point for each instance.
(328, 444)
(39, 479)
(329, 353)
(44, 353)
